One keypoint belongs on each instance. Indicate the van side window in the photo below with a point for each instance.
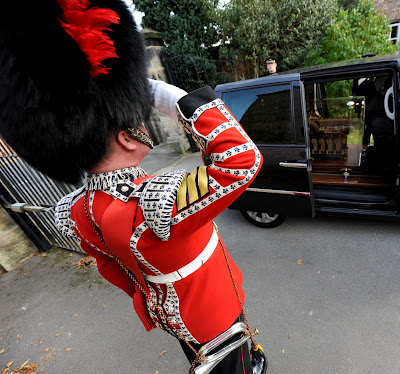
(265, 113)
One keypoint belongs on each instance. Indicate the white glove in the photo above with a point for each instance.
(165, 97)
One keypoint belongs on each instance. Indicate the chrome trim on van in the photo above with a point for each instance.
(296, 165)
(281, 192)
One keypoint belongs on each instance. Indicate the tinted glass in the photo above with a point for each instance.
(393, 33)
(264, 112)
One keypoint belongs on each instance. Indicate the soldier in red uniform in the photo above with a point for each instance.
(85, 110)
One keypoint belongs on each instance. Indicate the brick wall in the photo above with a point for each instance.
(390, 8)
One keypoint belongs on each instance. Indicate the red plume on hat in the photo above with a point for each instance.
(72, 73)
(86, 27)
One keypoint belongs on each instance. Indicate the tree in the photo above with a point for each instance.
(301, 25)
(352, 34)
(243, 27)
(285, 29)
(188, 29)
(348, 4)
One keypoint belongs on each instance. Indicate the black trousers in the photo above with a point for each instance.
(237, 362)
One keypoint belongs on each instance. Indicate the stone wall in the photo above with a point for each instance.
(15, 246)
(167, 132)
(390, 8)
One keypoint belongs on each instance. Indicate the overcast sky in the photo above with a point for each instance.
(138, 15)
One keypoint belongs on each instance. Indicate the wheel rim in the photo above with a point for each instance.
(262, 217)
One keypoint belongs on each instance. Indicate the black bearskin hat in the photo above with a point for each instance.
(72, 73)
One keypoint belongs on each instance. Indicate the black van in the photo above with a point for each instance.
(329, 138)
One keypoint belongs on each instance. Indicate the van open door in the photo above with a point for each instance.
(353, 136)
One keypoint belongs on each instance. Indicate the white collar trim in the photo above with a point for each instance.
(103, 181)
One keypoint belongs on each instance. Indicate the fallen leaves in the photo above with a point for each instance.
(300, 262)
(23, 369)
(48, 357)
(85, 262)
(283, 351)
(27, 368)
(163, 352)
(24, 364)
(30, 369)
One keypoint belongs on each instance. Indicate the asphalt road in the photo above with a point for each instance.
(338, 312)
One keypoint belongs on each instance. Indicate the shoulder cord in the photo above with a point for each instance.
(198, 358)
(253, 343)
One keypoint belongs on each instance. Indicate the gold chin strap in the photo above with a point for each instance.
(142, 137)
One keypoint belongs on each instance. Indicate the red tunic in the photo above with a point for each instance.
(161, 224)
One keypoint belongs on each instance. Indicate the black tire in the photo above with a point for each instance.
(263, 219)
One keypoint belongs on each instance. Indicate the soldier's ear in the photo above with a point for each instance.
(126, 140)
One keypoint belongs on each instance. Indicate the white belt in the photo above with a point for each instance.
(190, 268)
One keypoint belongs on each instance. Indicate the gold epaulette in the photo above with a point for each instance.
(193, 188)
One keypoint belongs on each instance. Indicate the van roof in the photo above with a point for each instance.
(351, 66)
(319, 71)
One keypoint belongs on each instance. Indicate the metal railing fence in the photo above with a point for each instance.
(34, 195)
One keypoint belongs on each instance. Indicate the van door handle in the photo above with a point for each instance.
(296, 165)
